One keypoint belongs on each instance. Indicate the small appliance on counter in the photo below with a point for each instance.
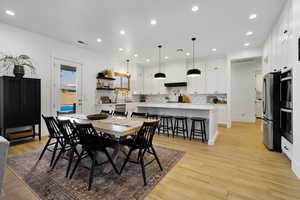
(105, 100)
(271, 111)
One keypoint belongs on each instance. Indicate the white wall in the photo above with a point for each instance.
(243, 93)
(42, 49)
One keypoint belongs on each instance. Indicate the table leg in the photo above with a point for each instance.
(40, 132)
(116, 154)
(33, 131)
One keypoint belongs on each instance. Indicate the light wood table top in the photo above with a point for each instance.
(117, 126)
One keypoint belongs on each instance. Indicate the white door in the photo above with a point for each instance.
(67, 87)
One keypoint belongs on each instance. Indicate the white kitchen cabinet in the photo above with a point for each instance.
(216, 78)
(197, 85)
(175, 72)
(222, 113)
(136, 79)
(130, 108)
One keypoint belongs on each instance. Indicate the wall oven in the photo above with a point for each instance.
(286, 90)
(286, 101)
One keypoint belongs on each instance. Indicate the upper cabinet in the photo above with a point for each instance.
(216, 77)
(277, 48)
(197, 85)
(213, 78)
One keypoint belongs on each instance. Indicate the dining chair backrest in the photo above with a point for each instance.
(52, 127)
(88, 135)
(145, 135)
(121, 114)
(141, 115)
(105, 112)
(69, 131)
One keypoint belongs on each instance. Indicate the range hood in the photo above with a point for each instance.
(176, 84)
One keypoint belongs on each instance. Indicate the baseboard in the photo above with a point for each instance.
(212, 141)
(296, 168)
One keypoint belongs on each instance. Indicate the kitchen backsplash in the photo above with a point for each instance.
(195, 98)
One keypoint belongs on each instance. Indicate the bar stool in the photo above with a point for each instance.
(201, 131)
(181, 127)
(166, 124)
(153, 116)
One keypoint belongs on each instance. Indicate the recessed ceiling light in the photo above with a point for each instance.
(122, 32)
(166, 57)
(188, 54)
(246, 44)
(135, 55)
(195, 8)
(9, 12)
(99, 40)
(214, 49)
(252, 16)
(147, 60)
(153, 22)
(121, 49)
(249, 33)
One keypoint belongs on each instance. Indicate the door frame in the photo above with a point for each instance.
(68, 61)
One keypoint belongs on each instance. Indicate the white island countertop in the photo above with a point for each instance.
(188, 106)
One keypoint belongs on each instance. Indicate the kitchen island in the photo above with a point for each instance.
(207, 111)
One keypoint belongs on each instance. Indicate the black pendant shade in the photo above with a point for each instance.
(193, 72)
(159, 75)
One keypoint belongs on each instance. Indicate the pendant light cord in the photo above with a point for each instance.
(159, 58)
(193, 39)
(127, 61)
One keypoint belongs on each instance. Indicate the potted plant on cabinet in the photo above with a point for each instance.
(17, 62)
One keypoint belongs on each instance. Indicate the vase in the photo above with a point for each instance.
(19, 71)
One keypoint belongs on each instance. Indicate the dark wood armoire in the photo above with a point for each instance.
(20, 104)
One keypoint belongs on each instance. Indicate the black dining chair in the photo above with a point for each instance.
(143, 143)
(70, 142)
(55, 140)
(92, 143)
(138, 115)
(120, 114)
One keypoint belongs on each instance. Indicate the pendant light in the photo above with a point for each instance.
(193, 72)
(127, 66)
(159, 75)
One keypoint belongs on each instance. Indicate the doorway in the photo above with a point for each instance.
(67, 87)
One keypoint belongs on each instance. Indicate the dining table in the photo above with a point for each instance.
(117, 127)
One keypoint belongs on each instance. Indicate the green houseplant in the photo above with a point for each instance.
(17, 62)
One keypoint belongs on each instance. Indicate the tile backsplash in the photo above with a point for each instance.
(195, 98)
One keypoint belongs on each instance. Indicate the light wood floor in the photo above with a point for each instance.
(238, 167)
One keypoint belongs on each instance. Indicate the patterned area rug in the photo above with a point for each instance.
(52, 184)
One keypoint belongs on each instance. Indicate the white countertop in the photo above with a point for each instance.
(187, 106)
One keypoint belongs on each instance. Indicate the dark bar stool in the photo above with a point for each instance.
(166, 124)
(153, 116)
(198, 132)
(181, 127)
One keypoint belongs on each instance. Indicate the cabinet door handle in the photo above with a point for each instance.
(285, 147)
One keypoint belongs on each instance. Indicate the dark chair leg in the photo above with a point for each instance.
(186, 128)
(59, 155)
(126, 160)
(204, 129)
(156, 158)
(76, 165)
(45, 148)
(91, 173)
(111, 161)
(54, 153)
(192, 130)
(71, 157)
(143, 167)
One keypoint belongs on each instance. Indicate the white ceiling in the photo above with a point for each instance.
(220, 24)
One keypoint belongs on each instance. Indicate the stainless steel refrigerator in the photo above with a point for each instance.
(271, 111)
